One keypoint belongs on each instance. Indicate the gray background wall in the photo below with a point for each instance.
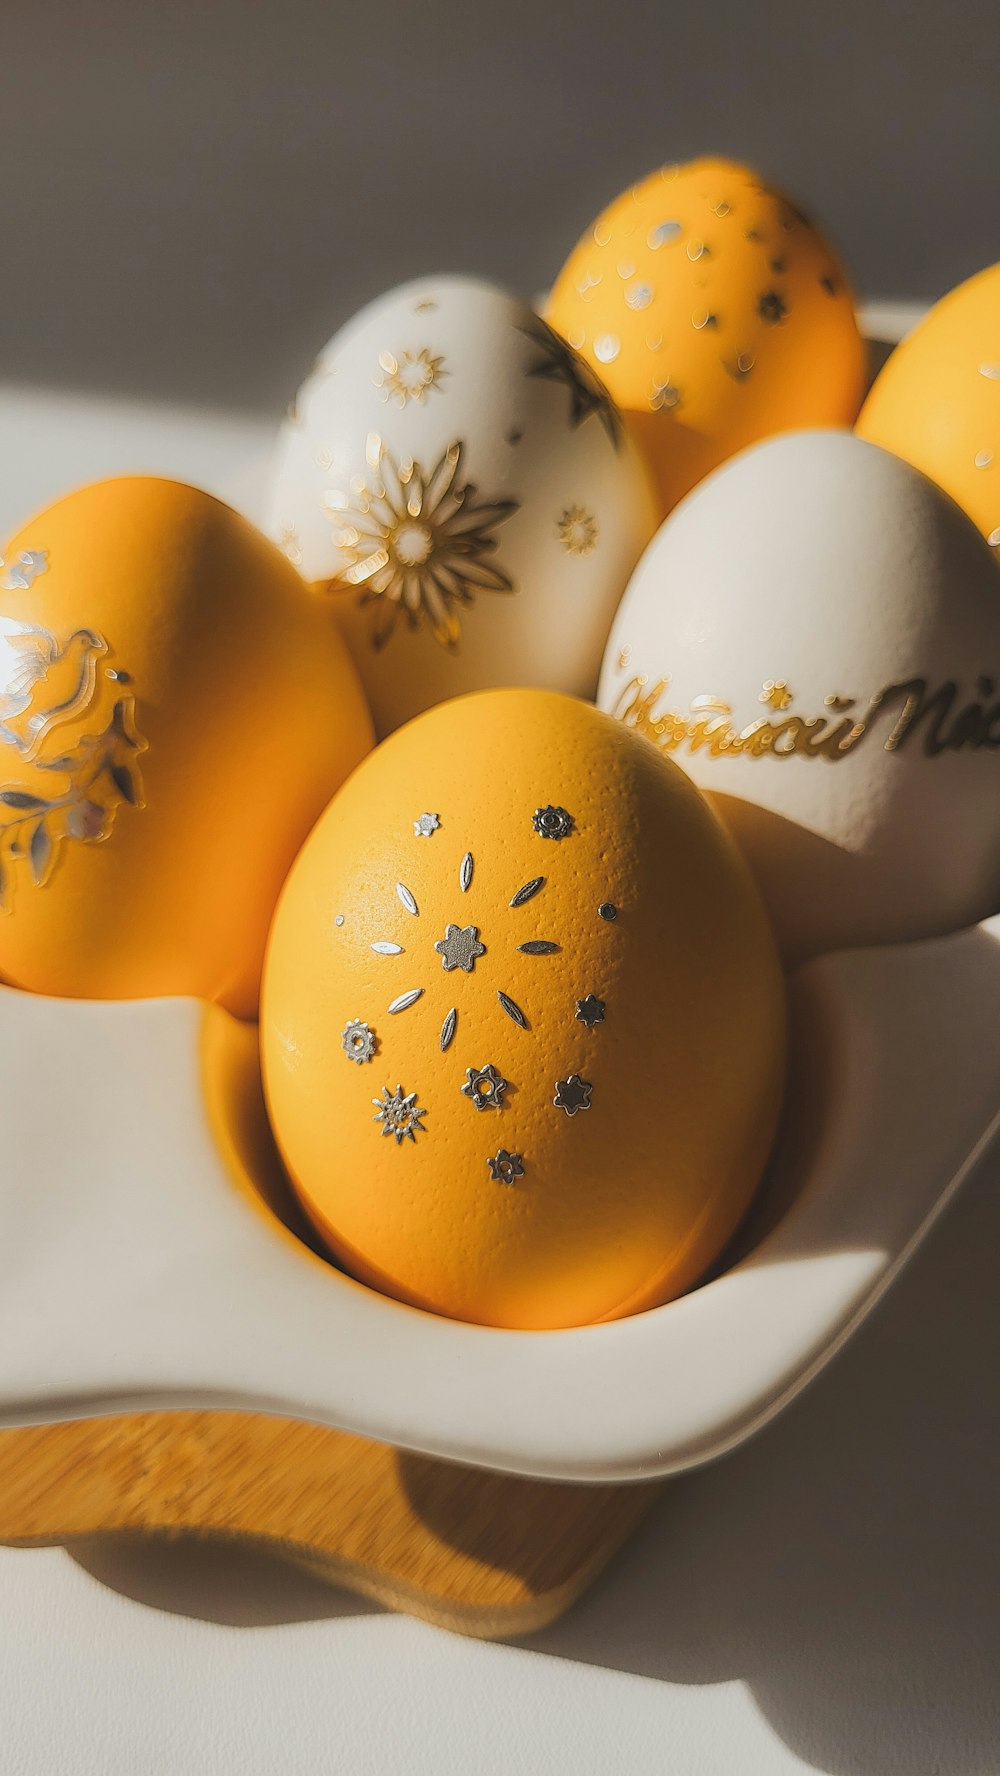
(195, 194)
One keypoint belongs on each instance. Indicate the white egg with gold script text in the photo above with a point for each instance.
(814, 635)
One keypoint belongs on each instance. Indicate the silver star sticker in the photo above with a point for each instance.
(399, 1114)
(590, 1011)
(572, 1094)
(459, 947)
(427, 824)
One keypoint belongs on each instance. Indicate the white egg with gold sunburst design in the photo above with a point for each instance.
(460, 482)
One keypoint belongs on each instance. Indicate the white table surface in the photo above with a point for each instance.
(827, 1599)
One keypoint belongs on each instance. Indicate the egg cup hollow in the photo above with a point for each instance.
(154, 1259)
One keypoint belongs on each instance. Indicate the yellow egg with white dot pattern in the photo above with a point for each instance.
(523, 1021)
(716, 314)
(936, 402)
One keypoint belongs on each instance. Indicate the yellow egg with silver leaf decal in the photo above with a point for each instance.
(175, 710)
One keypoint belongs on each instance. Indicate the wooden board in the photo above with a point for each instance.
(481, 1553)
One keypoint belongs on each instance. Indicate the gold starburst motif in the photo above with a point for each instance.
(410, 376)
(577, 530)
(559, 363)
(775, 694)
(418, 542)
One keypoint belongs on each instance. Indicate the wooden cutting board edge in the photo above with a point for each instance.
(477, 1552)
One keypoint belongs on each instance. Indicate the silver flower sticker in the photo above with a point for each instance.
(485, 1086)
(358, 1041)
(506, 1168)
(552, 823)
(459, 947)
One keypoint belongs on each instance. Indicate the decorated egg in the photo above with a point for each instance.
(464, 483)
(936, 401)
(815, 636)
(176, 708)
(522, 1020)
(716, 314)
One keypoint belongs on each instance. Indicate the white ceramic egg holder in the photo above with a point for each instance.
(135, 1275)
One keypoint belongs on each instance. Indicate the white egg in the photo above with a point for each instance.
(467, 481)
(814, 634)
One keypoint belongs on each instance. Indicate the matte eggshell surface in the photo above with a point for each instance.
(936, 402)
(802, 581)
(470, 482)
(176, 708)
(639, 1049)
(717, 315)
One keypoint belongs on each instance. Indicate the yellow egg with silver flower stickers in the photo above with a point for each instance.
(522, 1021)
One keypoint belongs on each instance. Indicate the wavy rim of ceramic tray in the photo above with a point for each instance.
(136, 1275)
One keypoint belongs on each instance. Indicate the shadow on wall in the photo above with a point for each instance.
(190, 216)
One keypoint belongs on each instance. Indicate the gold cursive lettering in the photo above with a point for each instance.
(907, 705)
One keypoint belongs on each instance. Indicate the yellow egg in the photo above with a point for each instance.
(716, 314)
(936, 402)
(175, 711)
(522, 1020)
